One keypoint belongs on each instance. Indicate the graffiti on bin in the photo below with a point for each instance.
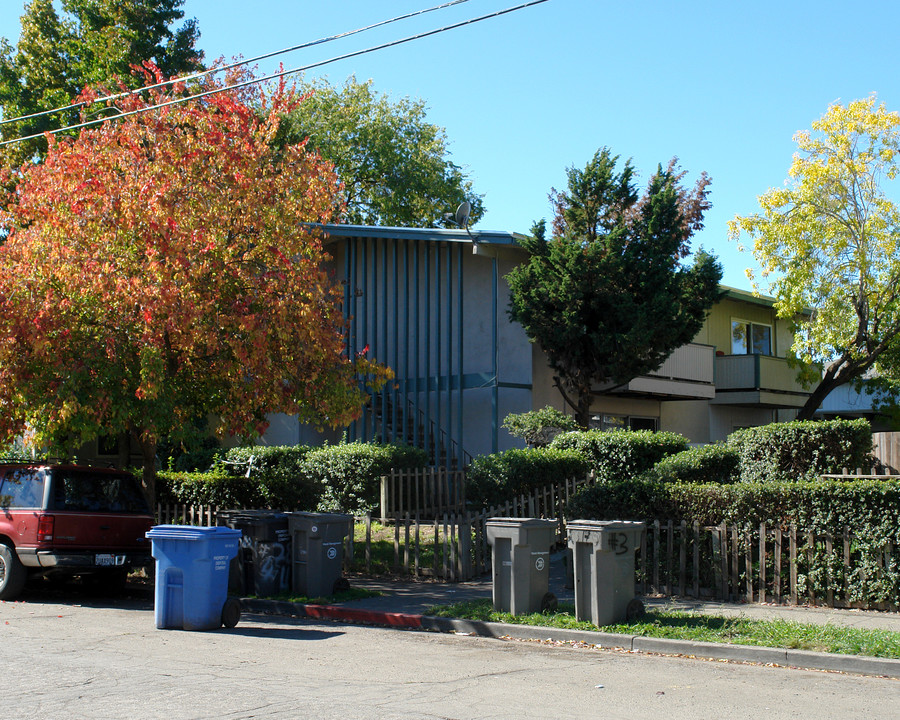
(272, 560)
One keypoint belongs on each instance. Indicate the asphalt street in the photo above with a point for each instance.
(104, 658)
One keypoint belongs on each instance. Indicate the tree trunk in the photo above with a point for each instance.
(148, 454)
(819, 394)
(583, 410)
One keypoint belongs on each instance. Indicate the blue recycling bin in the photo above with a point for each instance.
(192, 576)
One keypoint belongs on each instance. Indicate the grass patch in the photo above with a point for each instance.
(704, 628)
(383, 560)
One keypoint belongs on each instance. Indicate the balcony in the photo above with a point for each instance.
(757, 381)
(687, 374)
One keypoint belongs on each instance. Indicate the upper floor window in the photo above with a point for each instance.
(749, 338)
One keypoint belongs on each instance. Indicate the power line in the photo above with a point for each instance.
(204, 73)
(283, 73)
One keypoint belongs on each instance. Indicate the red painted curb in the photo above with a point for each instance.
(370, 617)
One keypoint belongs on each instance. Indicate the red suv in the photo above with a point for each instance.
(70, 520)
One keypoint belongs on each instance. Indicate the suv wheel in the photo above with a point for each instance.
(12, 573)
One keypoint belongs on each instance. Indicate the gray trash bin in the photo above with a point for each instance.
(603, 560)
(318, 549)
(521, 563)
(262, 566)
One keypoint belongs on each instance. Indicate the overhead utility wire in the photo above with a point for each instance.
(283, 73)
(223, 68)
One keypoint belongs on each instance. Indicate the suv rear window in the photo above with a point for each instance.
(84, 491)
(22, 488)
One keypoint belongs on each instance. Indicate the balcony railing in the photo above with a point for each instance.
(756, 372)
(691, 363)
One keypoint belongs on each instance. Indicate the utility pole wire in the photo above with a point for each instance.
(223, 68)
(283, 73)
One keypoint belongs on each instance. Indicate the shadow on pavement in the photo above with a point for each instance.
(298, 632)
(40, 591)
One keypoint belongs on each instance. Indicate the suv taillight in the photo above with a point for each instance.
(45, 528)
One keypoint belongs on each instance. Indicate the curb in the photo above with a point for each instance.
(804, 659)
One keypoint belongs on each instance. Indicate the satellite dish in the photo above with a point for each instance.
(462, 214)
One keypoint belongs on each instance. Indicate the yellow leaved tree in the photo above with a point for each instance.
(828, 244)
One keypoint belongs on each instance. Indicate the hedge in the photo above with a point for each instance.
(495, 479)
(869, 508)
(332, 478)
(538, 427)
(705, 464)
(218, 488)
(349, 473)
(280, 473)
(620, 454)
(802, 450)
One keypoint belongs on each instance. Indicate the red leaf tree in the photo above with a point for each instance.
(161, 267)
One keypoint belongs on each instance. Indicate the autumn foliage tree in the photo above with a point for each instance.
(160, 268)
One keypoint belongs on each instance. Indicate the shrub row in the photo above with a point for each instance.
(332, 478)
(869, 507)
(705, 464)
(620, 454)
(801, 450)
(495, 479)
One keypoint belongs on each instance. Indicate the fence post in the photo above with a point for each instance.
(696, 559)
(762, 562)
(847, 565)
(656, 558)
(369, 542)
(385, 491)
(793, 560)
(776, 563)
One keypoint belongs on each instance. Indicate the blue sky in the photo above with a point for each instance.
(724, 86)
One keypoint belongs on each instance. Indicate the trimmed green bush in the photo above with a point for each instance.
(705, 464)
(349, 473)
(802, 450)
(621, 454)
(539, 427)
(495, 479)
(866, 506)
(280, 474)
(219, 488)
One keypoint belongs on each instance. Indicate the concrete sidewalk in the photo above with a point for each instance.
(404, 604)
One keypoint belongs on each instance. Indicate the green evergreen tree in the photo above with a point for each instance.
(93, 42)
(610, 295)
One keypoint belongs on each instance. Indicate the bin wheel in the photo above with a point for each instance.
(634, 610)
(549, 603)
(231, 612)
(340, 585)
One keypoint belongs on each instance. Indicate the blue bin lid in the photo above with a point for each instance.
(190, 532)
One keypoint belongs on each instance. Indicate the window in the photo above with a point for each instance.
(622, 422)
(22, 488)
(749, 338)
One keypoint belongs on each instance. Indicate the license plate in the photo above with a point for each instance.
(109, 560)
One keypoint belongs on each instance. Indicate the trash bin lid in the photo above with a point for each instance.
(190, 532)
(519, 522)
(607, 525)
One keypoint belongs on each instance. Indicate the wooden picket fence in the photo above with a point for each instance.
(778, 564)
(182, 514)
(424, 492)
(452, 546)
